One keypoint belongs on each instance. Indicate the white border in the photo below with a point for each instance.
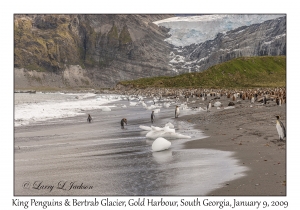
(9, 8)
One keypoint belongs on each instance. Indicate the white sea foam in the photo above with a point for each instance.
(26, 113)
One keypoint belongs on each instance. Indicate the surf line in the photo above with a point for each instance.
(246, 203)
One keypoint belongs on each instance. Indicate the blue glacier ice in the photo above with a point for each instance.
(196, 29)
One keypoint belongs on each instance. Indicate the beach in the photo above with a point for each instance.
(230, 152)
(251, 134)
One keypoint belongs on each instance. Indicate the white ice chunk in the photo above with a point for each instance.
(175, 135)
(160, 132)
(217, 104)
(146, 128)
(156, 110)
(144, 105)
(201, 109)
(156, 128)
(170, 125)
(229, 107)
(167, 129)
(132, 103)
(160, 144)
(151, 107)
(105, 109)
(183, 107)
(166, 105)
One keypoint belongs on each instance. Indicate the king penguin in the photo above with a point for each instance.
(264, 100)
(176, 112)
(252, 99)
(208, 106)
(89, 119)
(124, 120)
(280, 129)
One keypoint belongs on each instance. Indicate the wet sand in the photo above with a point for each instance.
(59, 156)
(66, 150)
(251, 134)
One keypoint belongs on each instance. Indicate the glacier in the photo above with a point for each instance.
(189, 30)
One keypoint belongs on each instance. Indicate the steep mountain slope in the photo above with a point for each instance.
(267, 38)
(61, 51)
(88, 50)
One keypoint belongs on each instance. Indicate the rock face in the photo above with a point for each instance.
(89, 50)
(267, 38)
(100, 50)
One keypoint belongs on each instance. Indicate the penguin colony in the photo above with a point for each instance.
(261, 96)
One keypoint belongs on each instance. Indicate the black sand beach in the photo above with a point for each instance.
(72, 157)
(241, 156)
(251, 134)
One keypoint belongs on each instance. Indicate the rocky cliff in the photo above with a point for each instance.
(267, 38)
(88, 50)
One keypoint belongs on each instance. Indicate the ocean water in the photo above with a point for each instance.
(30, 108)
(52, 147)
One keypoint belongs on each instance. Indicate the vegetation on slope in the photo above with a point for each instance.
(244, 72)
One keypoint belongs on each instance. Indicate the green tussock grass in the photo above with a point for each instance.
(244, 72)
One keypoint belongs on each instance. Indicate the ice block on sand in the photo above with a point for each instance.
(160, 144)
